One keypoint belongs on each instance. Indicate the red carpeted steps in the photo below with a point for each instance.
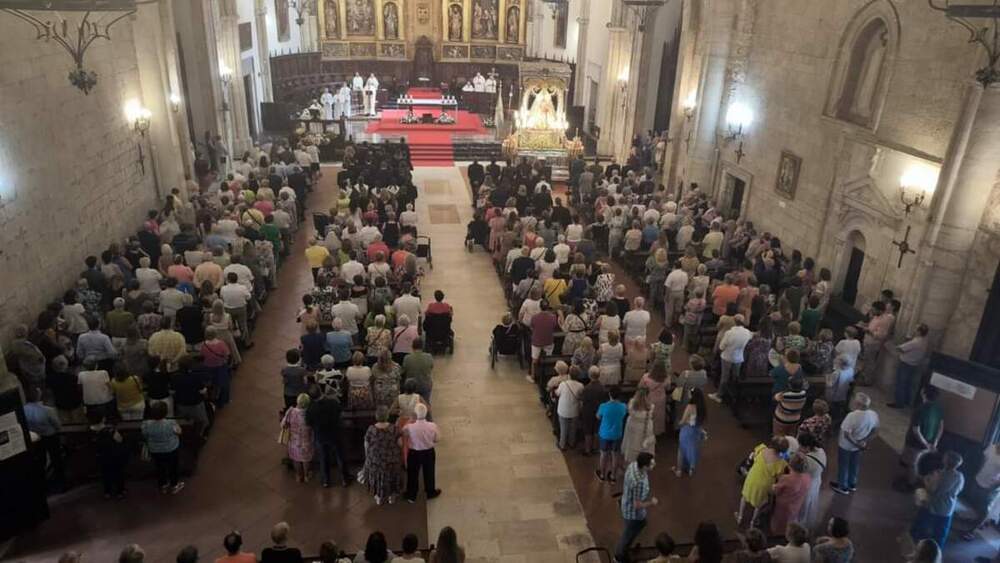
(430, 148)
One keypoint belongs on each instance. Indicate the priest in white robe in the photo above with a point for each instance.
(342, 104)
(371, 93)
(479, 82)
(327, 99)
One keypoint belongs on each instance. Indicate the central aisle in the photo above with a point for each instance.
(507, 490)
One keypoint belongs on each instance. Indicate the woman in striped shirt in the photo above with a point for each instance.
(788, 408)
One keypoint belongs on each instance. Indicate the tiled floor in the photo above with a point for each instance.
(507, 491)
(510, 494)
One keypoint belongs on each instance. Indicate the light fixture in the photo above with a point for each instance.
(916, 183)
(556, 6)
(175, 102)
(644, 10)
(138, 117)
(689, 104)
(985, 33)
(302, 8)
(74, 38)
(738, 117)
(225, 73)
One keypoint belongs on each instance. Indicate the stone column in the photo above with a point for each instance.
(263, 52)
(724, 54)
(163, 141)
(583, 22)
(229, 53)
(970, 172)
(616, 115)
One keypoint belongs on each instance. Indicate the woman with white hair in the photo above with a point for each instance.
(222, 323)
(300, 437)
(148, 278)
(402, 338)
(379, 338)
(382, 472)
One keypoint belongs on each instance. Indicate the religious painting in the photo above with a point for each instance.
(456, 51)
(246, 36)
(393, 50)
(336, 51)
(789, 168)
(390, 20)
(423, 14)
(513, 24)
(455, 22)
(363, 50)
(485, 19)
(331, 19)
(281, 19)
(562, 26)
(484, 52)
(361, 17)
(510, 53)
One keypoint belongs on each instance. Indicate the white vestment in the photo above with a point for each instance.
(343, 103)
(358, 83)
(491, 85)
(327, 100)
(371, 91)
(479, 83)
(468, 87)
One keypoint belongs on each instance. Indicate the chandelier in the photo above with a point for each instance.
(987, 34)
(644, 10)
(556, 6)
(74, 38)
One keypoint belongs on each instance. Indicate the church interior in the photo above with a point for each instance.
(500, 281)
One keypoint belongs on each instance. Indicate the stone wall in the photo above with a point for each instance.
(780, 61)
(70, 182)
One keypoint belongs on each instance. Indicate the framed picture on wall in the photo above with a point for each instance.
(789, 168)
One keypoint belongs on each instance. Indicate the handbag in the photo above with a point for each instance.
(284, 436)
(144, 453)
(744, 467)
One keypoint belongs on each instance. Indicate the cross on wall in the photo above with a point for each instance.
(904, 247)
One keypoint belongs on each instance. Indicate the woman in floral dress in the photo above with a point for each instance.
(385, 380)
(382, 473)
(300, 438)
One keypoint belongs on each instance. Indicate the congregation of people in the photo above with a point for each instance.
(447, 549)
(147, 341)
(738, 309)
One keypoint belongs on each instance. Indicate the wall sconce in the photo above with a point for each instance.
(689, 104)
(225, 73)
(138, 117)
(175, 102)
(738, 117)
(302, 9)
(916, 183)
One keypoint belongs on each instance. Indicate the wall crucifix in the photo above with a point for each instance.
(904, 247)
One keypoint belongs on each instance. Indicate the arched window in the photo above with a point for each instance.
(864, 65)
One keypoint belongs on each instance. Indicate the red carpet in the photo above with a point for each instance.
(430, 143)
(424, 93)
(430, 148)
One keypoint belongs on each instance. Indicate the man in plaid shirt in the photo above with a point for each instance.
(636, 498)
